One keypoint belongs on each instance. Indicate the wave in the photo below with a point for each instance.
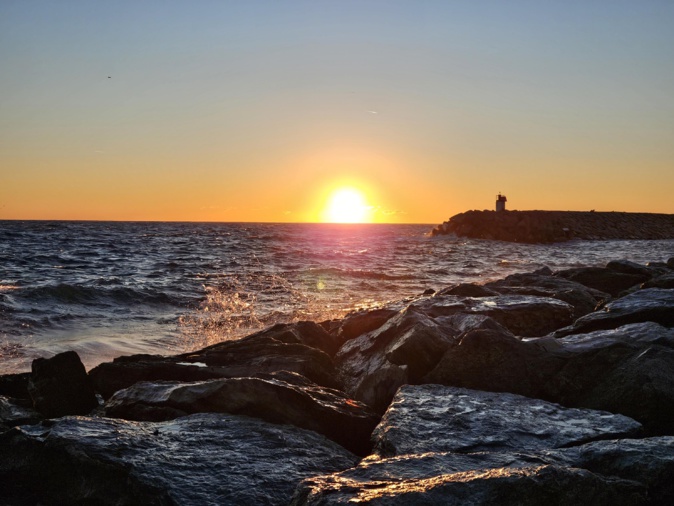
(89, 295)
(359, 274)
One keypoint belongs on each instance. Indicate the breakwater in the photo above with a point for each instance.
(557, 226)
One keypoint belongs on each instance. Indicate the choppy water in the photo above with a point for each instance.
(105, 289)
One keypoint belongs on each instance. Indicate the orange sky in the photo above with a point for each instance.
(258, 111)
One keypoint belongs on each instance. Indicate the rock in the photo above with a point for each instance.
(230, 359)
(649, 461)
(652, 304)
(603, 279)
(468, 290)
(522, 315)
(303, 404)
(642, 468)
(361, 322)
(373, 365)
(520, 486)
(13, 412)
(628, 267)
(629, 370)
(665, 281)
(493, 361)
(435, 418)
(15, 385)
(199, 459)
(583, 299)
(60, 386)
(308, 333)
(670, 263)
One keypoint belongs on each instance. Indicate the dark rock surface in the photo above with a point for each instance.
(297, 402)
(14, 412)
(523, 486)
(523, 315)
(642, 468)
(199, 459)
(652, 304)
(629, 370)
(435, 418)
(246, 357)
(604, 279)
(60, 386)
(557, 226)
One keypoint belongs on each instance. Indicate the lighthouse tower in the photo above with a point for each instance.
(500, 202)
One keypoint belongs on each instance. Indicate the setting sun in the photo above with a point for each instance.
(347, 205)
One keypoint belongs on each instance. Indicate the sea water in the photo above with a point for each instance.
(106, 289)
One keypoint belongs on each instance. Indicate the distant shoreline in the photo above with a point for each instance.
(558, 226)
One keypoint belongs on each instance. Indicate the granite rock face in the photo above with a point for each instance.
(434, 418)
(199, 459)
(258, 353)
(282, 399)
(652, 304)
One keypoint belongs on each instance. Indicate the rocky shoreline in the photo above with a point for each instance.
(543, 387)
(557, 226)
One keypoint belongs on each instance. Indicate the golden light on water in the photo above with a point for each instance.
(347, 205)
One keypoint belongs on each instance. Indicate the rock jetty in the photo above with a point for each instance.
(539, 388)
(557, 226)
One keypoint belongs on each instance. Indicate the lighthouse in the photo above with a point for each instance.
(500, 202)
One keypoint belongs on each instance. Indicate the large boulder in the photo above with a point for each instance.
(629, 370)
(543, 284)
(230, 359)
(435, 418)
(604, 279)
(280, 398)
(60, 386)
(304, 332)
(523, 315)
(199, 459)
(374, 365)
(494, 361)
(652, 304)
(622, 471)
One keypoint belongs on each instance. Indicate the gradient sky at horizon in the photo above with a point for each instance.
(257, 110)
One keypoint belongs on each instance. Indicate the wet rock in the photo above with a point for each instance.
(199, 459)
(665, 281)
(14, 412)
(60, 386)
(519, 486)
(361, 322)
(15, 385)
(434, 418)
(522, 315)
(583, 299)
(308, 333)
(468, 290)
(494, 361)
(374, 365)
(629, 370)
(628, 267)
(303, 404)
(649, 461)
(652, 304)
(230, 359)
(603, 279)
(642, 466)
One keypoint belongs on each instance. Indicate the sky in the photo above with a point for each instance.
(261, 110)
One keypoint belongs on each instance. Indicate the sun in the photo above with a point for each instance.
(347, 205)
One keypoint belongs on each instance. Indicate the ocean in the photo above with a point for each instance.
(106, 289)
